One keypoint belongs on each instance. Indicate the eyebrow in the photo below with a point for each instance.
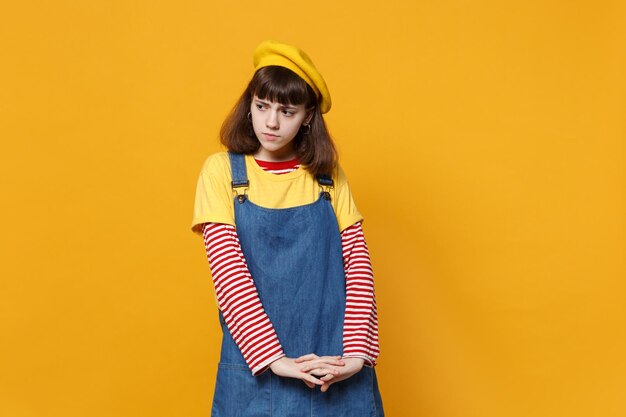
(282, 106)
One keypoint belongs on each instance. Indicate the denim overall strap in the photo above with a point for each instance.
(324, 179)
(238, 170)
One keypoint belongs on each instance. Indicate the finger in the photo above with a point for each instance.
(306, 357)
(311, 378)
(326, 385)
(331, 357)
(320, 363)
(312, 356)
(309, 368)
(316, 364)
(332, 360)
(320, 371)
(309, 384)
(327, 378)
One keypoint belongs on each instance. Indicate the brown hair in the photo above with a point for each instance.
(315, 150)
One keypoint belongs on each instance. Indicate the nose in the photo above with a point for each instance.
(272, 119)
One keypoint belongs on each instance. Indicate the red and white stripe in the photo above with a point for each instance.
(282, 167)
(281, 171)
(360, 330)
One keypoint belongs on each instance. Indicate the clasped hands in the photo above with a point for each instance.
(317, 370)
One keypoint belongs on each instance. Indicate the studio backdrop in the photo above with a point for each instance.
(484, 144)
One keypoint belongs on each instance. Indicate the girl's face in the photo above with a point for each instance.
(275, 125)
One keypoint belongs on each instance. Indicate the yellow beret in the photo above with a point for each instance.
(276, 53)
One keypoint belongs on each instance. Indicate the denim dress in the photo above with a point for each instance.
(295, 258)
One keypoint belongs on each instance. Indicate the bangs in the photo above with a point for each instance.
(281, 85)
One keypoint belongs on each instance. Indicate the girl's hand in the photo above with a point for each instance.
(320, 365)
(352, 366)
(289, 367)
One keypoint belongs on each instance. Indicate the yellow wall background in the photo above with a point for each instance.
(484, 142)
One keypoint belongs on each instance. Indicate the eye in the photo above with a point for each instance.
(259, 106)
(289, 112)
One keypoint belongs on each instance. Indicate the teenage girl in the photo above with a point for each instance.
(291, 269)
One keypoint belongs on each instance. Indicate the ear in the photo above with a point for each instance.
(309, 115)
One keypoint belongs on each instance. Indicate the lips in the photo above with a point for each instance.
(269, 136)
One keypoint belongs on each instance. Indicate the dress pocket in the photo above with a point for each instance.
(239, 394)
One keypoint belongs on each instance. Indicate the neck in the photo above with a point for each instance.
(281, 155)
